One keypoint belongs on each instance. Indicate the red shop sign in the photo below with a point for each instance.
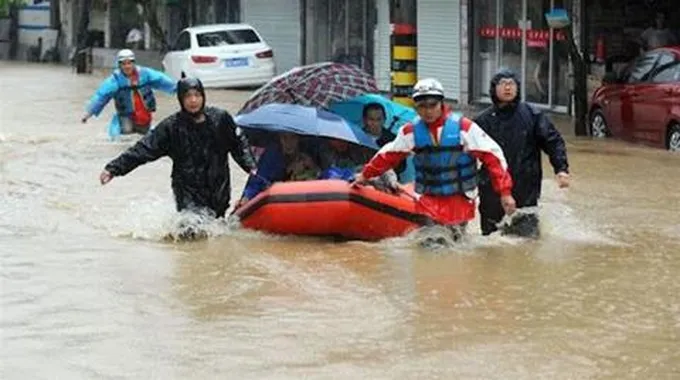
(516, 33)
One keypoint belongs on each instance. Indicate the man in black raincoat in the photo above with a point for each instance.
(198, 139)
(523, 132)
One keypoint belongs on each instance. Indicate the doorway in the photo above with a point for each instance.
(340, 31)
(514, 34)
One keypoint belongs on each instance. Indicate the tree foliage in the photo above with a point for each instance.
(4, 7)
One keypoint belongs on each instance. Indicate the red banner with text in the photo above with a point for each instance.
(535, 37)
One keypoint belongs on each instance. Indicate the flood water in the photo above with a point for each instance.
(89, 290)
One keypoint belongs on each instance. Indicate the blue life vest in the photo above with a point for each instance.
(123, 97)
(443, 169)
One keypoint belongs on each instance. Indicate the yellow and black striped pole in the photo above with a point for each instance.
(404, 62)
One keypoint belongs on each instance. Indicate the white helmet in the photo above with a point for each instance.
(125, 55)
(428, 87)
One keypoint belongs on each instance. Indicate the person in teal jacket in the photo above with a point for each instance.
(131, 88)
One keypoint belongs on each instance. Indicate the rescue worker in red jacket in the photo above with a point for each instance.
(446, 147)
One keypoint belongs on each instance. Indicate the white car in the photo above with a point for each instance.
(221, 55)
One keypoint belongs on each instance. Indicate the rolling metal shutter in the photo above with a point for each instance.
(279, 24)
(381, 51)
(439, 43)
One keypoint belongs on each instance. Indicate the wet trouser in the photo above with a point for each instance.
(491, 213)
(195, 201)
(127, 126)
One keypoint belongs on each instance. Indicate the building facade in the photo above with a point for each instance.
(460, 42)
(359, 32)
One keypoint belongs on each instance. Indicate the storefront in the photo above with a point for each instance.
(539, 56)
(308, 31)
(280, 24)
(614, 32)
(341, 31)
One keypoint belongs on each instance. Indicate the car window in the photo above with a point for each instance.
(227, 37)
(639, 71)
(183, 42)
(668, 73)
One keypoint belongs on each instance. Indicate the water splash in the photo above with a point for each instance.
(559, 223)
(156, 220)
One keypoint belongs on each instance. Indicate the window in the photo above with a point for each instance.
(497, 40)
(639, 71)
(183, 42)
(669, 73)
(227, 37)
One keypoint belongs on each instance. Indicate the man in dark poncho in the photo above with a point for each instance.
(199, 140)
(523, 132)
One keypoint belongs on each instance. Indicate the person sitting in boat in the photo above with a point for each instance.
(446, 147)
(282, 160)
(341, 154)
(131, 88)
(373, 118)
(341, 160)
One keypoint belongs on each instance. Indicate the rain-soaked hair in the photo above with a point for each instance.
(184, 85)
(373, 106)
(503, 73)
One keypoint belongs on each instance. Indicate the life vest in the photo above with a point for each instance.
(123, 98)
(444, 169)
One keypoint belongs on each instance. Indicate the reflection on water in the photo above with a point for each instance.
(89, 289)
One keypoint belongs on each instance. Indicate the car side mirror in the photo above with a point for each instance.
(610, 78)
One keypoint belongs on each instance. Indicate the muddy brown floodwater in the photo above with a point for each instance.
(90, 291)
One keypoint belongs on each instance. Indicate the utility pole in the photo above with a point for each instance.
(558, 18)
(83, 53)
(578, 62)
(13, 29)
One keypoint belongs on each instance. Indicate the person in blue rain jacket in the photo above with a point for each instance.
(131, 88)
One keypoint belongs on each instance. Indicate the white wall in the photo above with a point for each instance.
(34, 23)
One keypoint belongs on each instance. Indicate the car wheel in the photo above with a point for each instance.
(673, 138)
(598, 125)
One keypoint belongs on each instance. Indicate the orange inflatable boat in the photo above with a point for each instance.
(331, 208)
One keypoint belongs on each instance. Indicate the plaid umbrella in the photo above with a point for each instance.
(316, 85)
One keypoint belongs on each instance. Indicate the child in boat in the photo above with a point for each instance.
(343, 155)
(282, 160)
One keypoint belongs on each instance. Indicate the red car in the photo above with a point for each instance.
(642, 104)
